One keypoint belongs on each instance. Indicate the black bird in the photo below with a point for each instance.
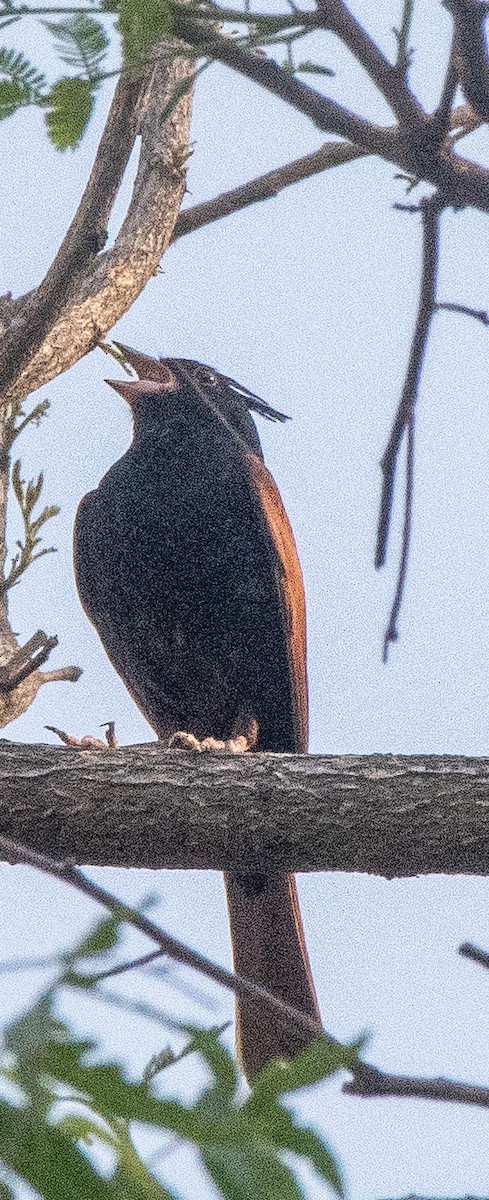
(186, 564)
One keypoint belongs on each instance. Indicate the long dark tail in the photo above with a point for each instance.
(269, 948)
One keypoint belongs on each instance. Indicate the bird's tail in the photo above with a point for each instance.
(269, 948)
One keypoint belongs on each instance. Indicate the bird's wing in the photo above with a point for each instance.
(290, 587)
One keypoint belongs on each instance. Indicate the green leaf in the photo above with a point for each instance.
(20, 82)
(250, 1174)
(46, 1159)
(321, 1059)
(313, 68)
(220, 1061)
(104, 936)
(70, 108)
(81, 42)
(141, 25)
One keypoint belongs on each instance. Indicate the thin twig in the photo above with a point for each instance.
(369, 1081)
(134, 963)
(391, 633)
(366, 1080)
(478, 314)
(169, 945)
(404, 419)
(332, 154)
(467, 950)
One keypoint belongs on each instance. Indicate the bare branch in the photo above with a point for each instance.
(389, 79)
(26, 659)
(113, 279)
(405, 416)
(175, 949)
(470, 52)
(478, 956)
(414, 149)
(478, 314)
(368, 1081)
(332, 154)
(325, 113)
(84, 239)
(135, 807)
(442, 117)
(391, 633)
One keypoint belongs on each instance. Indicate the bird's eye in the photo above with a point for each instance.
(205, 376)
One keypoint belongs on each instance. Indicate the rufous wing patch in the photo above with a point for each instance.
(290, 586)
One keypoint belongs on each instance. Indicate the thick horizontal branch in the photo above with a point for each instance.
(143, 806)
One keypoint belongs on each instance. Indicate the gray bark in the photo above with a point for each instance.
(144, 806)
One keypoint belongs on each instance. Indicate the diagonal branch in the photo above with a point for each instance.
(405, 416)
(85, 237)
(327, 114)
(473, 952)
(470, 52)
(415, 149)
(366, 1080)
(332, 154)
(389, 79)
(113, 279)
(171, 946)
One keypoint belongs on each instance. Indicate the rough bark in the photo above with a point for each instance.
(142, 806)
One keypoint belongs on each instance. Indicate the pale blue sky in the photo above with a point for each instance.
(308, 300)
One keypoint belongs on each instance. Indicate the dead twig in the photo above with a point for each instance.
(404, 421)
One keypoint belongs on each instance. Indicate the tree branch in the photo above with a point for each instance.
(479, 956)
(113, 279)
(84, 239)
(171, 946)
(332, 154)
(405, 417)
(143, 806)
(334, 15)
(368, 1081)
(470, 52)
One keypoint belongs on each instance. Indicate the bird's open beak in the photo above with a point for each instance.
(155, 376)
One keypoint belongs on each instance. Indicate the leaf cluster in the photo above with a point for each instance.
(81, 42)
(66, 1117)
(27, 496)
(82, 39)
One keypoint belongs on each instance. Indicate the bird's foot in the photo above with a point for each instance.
(88, 742)
(239, 744)
(188, 741)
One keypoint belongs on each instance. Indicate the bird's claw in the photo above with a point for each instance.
(88, 742)
(188, 741)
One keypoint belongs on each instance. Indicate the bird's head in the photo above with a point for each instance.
(192, 385)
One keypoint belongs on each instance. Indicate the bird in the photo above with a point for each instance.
(186, 564)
